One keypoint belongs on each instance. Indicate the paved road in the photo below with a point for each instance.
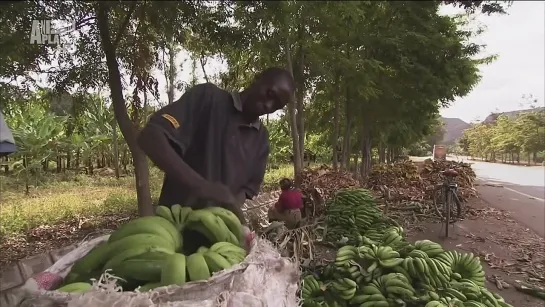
(518, 189)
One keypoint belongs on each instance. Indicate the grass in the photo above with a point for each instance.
(61, 198)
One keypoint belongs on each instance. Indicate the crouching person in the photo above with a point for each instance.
(289, 205)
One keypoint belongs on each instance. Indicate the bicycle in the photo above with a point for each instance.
(447, 204)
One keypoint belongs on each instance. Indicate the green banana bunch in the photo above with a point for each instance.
(448, 301)
(231, 252)
(197, 268)
(165, 213)
(311, 287)
(345, 288)
(431, 248)
(396, 286)
(369, 296)
(468, 288)
(374, 235)
(435, 303)
(345, 255)
(216, 262)
(392, 236)
(211, 226)
(380, 256)
(466, 265)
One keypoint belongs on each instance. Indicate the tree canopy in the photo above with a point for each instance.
(370, 75)
(507, 137)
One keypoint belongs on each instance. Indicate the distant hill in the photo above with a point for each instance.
(454, 128)
(492, 117)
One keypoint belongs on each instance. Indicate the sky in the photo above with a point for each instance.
(518, 39)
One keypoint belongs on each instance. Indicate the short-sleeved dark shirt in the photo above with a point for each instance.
(206, 128)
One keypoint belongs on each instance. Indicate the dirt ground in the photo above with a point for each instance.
(47, 238)
(508, 250)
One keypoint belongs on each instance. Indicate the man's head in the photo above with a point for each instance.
(285, 184)
(270, 91)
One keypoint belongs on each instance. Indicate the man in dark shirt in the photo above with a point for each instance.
(7, 144)
(211, 144)
(289, 205)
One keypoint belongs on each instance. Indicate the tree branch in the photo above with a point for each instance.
(123, 26)
(203, 62)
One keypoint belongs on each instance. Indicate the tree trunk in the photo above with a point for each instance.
(90, 166)
(141, 170)
(116, 149)
(77, 161)
(171, 72)
(336, 124)
(59, 164)
(356, 160)
(297, 162)
(381, 152)
(300, 81)
(365, 152)
(347, 131)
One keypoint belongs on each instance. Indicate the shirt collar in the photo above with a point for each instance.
(238, 105)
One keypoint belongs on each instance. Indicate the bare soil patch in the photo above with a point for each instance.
(47, 238)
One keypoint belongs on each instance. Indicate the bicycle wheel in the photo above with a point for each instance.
(438, 201)
(455, 207)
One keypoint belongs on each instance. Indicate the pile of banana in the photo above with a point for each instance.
(377, 275)
(383, 269)
(148, 252)
(350, 212)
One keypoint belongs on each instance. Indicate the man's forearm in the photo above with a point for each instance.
(156, 145)
(237, 210)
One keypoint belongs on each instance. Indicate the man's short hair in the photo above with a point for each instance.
(272, 74)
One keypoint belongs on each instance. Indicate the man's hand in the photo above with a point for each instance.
(248, 238)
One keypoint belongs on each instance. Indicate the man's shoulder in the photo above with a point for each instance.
(216, 95)
(208, 89)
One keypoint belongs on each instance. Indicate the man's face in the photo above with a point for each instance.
(269, 99)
